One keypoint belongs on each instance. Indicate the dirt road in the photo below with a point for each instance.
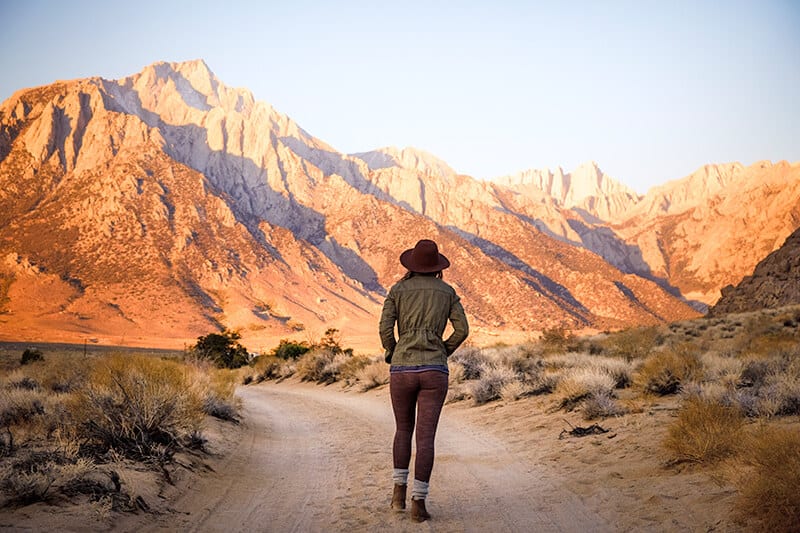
(317, 459)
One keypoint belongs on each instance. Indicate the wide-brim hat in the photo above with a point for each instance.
(424, 258)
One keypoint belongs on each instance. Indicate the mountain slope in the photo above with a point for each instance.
(775, 282)
(164, 205)
(701, 235)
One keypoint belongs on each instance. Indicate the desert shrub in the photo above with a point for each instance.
(756, 372)
(769, 493)
(374, 374)
(542, 383)
(704, 432)
(489, 385)
(287, 349)
(270, 367)
(217, 388)
(785, 392)
(349, 366)
(664, 372)
(222, 348)
(473, 360)
(619, 369)
(29, 486)
(318, 365)
(62, 373)
(630, 344)
(137, 405)
(600, 405)
(456, 373)
(31, 355)
(555, 340)
(18, 407)
(579, 383)
(31, 477)
(727, 370)
(457, 392)
(512, 391)
(24, 382)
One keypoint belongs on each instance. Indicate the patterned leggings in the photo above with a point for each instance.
(424, 392)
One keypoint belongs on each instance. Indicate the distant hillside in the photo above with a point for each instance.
(775, 282)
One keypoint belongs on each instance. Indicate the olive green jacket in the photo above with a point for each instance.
(421, 307)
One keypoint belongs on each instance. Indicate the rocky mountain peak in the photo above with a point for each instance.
(586, 188)
(407, 158)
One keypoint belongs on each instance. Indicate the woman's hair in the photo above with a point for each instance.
(410, 274)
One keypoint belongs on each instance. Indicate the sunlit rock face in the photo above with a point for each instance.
(164, 205)
(774, 283)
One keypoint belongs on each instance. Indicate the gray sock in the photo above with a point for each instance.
(400, 476)
(420, 490)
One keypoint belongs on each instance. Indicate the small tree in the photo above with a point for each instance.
(332, 341)
(222, 348)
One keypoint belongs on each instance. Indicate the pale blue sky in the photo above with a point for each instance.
(649, 90)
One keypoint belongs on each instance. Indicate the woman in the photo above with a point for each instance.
(421, 304)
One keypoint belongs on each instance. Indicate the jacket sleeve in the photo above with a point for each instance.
(460, 327)
(388, 319)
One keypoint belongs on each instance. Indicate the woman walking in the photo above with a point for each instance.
(420, 304)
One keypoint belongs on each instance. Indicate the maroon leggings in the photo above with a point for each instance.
(425, 392)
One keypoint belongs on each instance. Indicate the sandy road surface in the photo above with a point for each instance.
(317, 459)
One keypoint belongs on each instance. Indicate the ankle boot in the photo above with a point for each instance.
(399, 497)
(418, 511)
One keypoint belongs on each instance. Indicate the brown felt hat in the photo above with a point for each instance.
(424, 258)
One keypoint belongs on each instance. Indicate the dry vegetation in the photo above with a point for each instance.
(737, 379)
(73, 427)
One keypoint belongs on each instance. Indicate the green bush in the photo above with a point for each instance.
(287, 349)
(222, 348)
(31, 355)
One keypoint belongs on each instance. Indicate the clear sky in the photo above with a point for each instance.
(650, 90)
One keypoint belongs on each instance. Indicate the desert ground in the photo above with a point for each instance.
(314, 458)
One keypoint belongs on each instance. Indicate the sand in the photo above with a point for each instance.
(314, 458)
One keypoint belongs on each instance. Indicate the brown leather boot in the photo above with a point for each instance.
(418, 512)
(399, 497)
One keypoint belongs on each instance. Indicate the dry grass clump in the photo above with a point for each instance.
(601, 406)
(374, 374)
(665, 372)
(704, 432)
(490, 384)
(769, 493)
(634, 343)
(327, 366)
(472, 360)
(137, 405)
(580, 383)
(267, 367)
(217, 388)
(318, 365)
(34, 476)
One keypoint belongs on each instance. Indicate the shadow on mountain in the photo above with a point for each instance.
(244, 186)
(377, 160)
(626, 257)
(334, 163)
(555, 292)
(630, 295)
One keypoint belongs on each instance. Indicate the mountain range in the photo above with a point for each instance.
(165, 205)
